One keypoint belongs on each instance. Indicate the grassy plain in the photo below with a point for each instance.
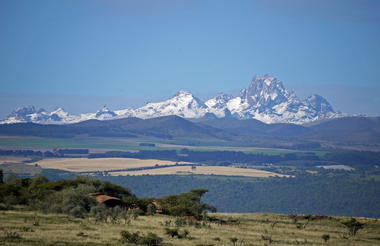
(96, 144)
(204, 170)
(32, 228)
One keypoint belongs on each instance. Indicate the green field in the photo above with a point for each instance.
(95, 144)
(33, 228)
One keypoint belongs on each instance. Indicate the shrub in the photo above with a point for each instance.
(11, 235)
(326, 237)
(177, 233)
(267, 238)
(99, 212)
(4, 206)
(149, 239)
(172, 232)
(234, 240)
(151, 209)
(77, 212)
(127, 237)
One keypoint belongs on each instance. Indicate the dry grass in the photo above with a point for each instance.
(99, 164)
(252, 229)
(206, 170)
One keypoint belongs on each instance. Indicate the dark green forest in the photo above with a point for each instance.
(339, 193)
(76, 197)
(344, 195)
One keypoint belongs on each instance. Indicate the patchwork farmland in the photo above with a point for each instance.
(132, 166)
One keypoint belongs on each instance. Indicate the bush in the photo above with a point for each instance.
(75, 202)
(326, 237)
(172, 232)
(177, 233)
(4, 206)
(77, 212)
(11, 235)
(149, 239)
(99, 212)
(127, 237)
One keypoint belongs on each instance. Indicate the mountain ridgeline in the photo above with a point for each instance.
(265, 99)
(351, 130)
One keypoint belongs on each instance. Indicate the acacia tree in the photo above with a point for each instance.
(186, 204)
(353, 226)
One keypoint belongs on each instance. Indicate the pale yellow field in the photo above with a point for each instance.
(206, 170)
(99, 164)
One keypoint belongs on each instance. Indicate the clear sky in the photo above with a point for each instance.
(83, 54)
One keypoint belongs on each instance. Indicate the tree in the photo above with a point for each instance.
(326, 237)
(234, 240)
(353, 226)
(185, 204)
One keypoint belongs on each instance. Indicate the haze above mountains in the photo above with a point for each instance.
(266, 99)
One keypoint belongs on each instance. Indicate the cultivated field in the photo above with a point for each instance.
(32, 228)
(206, 170)
(96, 144)
(111, 164)
(100, 164)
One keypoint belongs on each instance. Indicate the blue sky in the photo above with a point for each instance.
(83, 54)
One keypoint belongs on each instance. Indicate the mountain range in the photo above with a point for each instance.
(354, 131)
(265, 99)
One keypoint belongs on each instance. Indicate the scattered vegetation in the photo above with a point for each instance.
(16, 228)
(150, 239)
(353, 226)
(36, 211)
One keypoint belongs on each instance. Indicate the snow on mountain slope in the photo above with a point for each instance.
(217, 105)
(30, 114)
(265, 99)
(183, 104)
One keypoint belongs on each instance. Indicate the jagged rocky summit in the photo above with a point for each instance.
(265, 99)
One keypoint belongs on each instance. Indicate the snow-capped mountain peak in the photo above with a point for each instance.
(104, 113)
(22, 114)
(218, 101)
(265, 91)
(60, 112)
(319, 103)
(183, 104)
(264, 99)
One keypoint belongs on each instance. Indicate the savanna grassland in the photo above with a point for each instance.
(34, 228)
